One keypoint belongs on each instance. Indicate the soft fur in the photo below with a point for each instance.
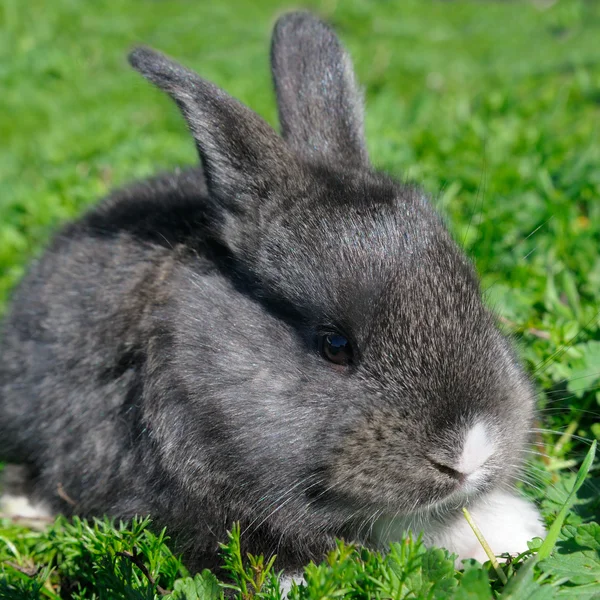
(162, 356)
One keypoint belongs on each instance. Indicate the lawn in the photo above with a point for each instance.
(492, 106)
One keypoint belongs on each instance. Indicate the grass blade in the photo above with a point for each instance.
(486, 546)
(550, 541)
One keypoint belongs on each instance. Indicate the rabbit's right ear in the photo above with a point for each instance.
(241, 154)
(320, 104)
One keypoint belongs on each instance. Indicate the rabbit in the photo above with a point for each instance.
(281, 336)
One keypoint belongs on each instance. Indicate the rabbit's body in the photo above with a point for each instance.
(77, 360)
(288, 339)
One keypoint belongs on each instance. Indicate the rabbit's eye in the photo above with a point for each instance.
(336, 348)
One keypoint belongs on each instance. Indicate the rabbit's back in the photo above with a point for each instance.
(73, 346)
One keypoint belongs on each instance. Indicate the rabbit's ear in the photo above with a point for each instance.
(240, 152)
(320, 104)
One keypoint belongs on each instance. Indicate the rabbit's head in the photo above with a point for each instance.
(353, 368)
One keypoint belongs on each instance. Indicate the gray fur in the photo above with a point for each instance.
(161, 357)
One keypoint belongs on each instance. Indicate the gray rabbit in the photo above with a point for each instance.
(284, 337)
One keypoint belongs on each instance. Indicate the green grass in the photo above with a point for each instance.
(494, 107)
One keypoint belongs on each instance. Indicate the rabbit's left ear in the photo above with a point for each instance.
(320, 104)
(241, 154)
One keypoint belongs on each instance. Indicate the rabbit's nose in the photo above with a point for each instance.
(449, 471)
(478, 447)
(472, 454)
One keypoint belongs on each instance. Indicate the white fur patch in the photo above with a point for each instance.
(507, 522)
(20, 508)
(478, 447)
(287, 580)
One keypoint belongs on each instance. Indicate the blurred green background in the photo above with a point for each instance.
(492, 106)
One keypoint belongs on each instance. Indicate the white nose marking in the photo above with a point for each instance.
(477, 449)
